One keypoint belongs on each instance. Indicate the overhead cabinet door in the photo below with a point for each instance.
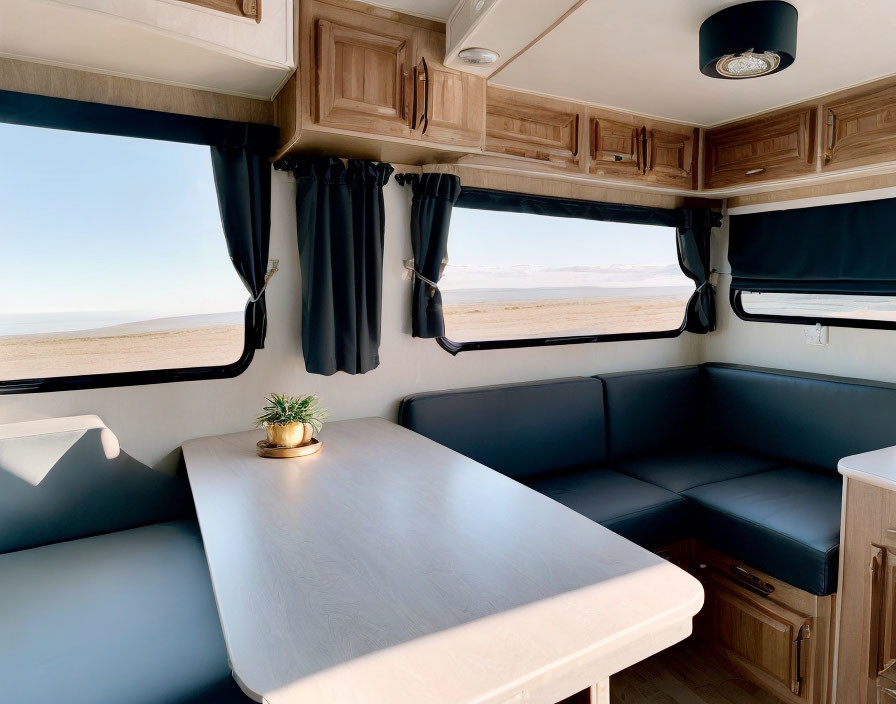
(767, 148)
(860, 130)
(449, 104)
(617, 148)
(361, 78)
(671, 155)
(533, 127)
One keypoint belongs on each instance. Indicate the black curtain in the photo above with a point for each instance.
(847, 248)
(434, 198)
(341, 222)
(694, 258)
(243, 183)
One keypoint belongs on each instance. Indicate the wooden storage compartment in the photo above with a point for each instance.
(671, 155)
(636, 148)
(761, 149)
(617, 145)
(775, 634)
(449, 104)
(533, 127)
(860, 130)
(361, 78)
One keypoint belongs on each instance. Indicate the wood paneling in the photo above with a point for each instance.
(361, 78)
(533, 127)
(761, 149)
(493, 173)
(860, 130)
(58, 82)
(861, 563)
(242, 8)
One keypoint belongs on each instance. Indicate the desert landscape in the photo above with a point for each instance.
(504, 320)
(170, 343)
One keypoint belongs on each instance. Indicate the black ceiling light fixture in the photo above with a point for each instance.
(748, 40)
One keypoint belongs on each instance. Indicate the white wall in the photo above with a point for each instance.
(852, 352)
(151, 421)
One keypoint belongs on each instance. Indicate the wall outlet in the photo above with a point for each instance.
(816, 334)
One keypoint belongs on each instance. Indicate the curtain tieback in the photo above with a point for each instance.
(272, 269)
(409, 265)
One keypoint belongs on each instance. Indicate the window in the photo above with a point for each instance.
(114, 262)
(846, 310)
(523, 278)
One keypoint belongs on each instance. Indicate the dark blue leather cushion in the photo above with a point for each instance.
(653, 410)
(805, 419)
(521, 430)
(680, 469)
(785, 522)
(641, 512)
(124, 617)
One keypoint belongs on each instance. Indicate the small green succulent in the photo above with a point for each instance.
(282, 410)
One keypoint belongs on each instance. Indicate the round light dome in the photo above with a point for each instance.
(748, 40)
(748, 64)
(476, 56)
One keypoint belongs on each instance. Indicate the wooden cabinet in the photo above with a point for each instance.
(775, 634)
(635, 148)
(766, 148)
(860, 130)
(365, 70)
(867, 646)
(361, 78)
(449, 104)
(534, 127)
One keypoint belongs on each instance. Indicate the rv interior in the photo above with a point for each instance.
(448, 352)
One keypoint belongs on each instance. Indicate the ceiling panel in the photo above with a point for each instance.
(434, 9)
(641, 55)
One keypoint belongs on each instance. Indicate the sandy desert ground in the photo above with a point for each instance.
(468, 322)
(99, 352)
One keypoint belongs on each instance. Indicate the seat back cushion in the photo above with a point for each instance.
(521, 430)
(653, 410)
(66, 478)
(808, 419)
(123, 617)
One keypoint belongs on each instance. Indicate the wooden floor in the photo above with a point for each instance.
(685, 674)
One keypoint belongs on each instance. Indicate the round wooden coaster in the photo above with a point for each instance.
(265, 450)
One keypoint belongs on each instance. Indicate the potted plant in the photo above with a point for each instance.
(291, 421)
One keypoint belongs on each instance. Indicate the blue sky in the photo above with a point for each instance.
(490, 249)
(100, 223)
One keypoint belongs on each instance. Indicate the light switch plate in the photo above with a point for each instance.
(816, 334)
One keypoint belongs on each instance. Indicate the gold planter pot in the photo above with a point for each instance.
(288, 434)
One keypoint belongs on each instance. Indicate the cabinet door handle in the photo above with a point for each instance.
(421, 97)
(875, 594)
(753, 172)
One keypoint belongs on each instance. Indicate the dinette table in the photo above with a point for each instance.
(388, 569)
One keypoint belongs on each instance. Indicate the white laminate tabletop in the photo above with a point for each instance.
(877, 467)
(388, 569)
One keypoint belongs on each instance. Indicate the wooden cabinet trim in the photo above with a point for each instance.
(240, 8)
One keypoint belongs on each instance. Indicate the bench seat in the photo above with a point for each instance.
(680, 469)
(123, 617)
(645, 514)
(785, 522)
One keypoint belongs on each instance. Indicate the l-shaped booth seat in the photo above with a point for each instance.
(105, 593)
(742, 458)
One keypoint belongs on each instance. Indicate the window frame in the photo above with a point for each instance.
(506, 201)
(734, 299)
(98, 118)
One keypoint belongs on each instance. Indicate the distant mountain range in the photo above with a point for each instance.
(458, 277)
(107, 324)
